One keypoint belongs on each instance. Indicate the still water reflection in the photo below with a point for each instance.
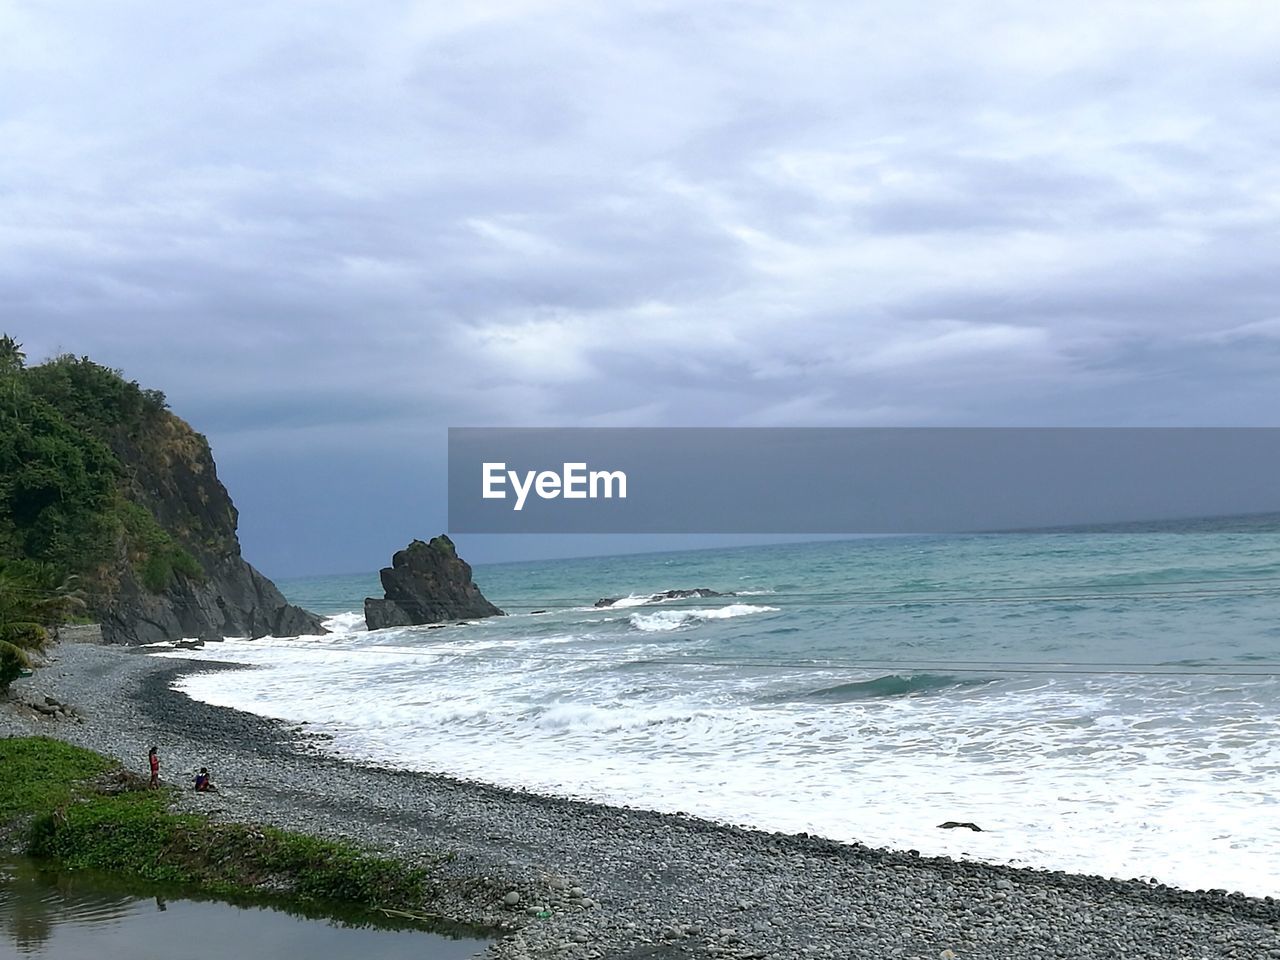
(50, 916)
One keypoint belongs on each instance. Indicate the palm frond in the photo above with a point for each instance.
(17, 653)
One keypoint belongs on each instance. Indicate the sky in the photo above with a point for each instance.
(330, 231)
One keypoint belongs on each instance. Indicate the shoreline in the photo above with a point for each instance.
(624, 883)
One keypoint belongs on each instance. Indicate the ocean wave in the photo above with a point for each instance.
(665, 620)
(348, 622)
(891, 685)
(633, 600)
(575, 717)
(558, 717)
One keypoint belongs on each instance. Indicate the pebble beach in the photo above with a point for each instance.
(562, 878)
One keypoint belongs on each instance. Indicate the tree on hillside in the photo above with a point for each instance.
(21, 632)
(57, 488)
(34, 599)
(12, 362)
(12, 359)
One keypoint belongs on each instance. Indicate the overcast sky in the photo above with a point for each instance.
(330, 230)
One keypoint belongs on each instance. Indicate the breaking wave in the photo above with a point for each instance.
(666, 620)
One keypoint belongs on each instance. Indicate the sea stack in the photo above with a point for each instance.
(427, 583)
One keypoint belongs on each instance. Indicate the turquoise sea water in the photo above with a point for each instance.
(1106, 703)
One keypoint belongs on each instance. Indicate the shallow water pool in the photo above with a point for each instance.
(46, 915)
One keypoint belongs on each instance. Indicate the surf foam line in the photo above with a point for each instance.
(662, 621)
(795, 770)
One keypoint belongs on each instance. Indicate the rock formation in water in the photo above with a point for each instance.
(427, 583)
(696, 593)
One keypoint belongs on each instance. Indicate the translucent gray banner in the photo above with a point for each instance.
(860, 480)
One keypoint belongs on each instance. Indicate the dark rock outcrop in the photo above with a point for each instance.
(427, 583)
(172, 476)
(697, 592)
(232, 600)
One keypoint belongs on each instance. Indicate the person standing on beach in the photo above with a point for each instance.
(153, 757)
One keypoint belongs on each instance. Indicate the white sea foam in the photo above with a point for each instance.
(1169, 777)
(662, 621)
(580, 718)
(634, 600)
(344, 622)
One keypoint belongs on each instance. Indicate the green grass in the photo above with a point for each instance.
(134, 834)
(38, 774)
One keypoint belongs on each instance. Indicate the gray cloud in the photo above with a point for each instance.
(342, 231)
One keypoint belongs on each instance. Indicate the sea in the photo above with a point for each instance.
(1101, 703)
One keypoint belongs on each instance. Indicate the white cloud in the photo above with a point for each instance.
(722, 212)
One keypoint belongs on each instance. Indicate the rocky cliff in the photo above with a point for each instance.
(427, 583)
(103, 487)
(172, 476)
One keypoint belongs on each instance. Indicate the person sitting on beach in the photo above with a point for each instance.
(153, 758)
(203, 783)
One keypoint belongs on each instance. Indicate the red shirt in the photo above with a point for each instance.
(155, 763)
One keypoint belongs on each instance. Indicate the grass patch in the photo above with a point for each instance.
(134, 834)
(38, 774)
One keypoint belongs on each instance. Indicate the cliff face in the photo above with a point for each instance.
(101, 483)
(235, 600)
(154, 593)
(427, 583)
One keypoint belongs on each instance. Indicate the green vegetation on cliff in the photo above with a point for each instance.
(101, 482)
(68, 429)
(58, 483)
